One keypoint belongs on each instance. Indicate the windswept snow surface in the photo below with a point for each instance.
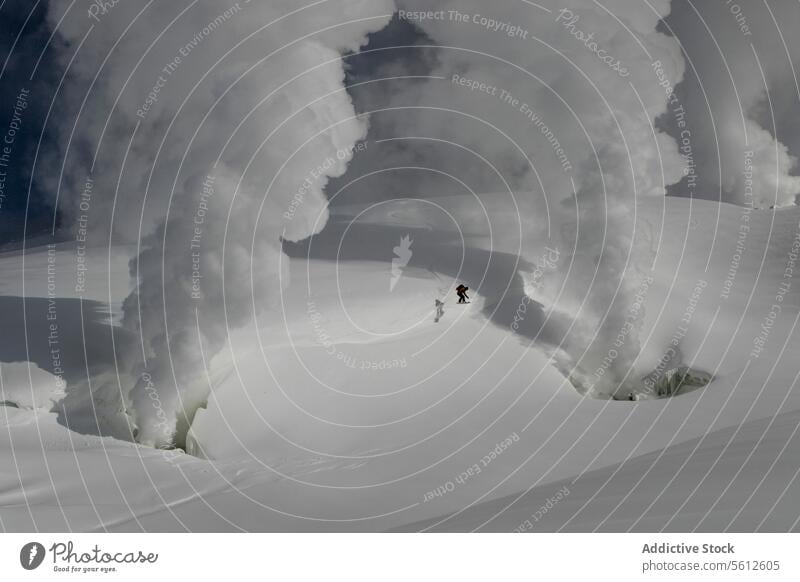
(349, 408)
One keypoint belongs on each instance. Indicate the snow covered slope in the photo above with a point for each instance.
(350, 408)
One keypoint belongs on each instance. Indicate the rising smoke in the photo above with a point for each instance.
(739, 95)
(562, 103)
(209, 132)
(198, 123)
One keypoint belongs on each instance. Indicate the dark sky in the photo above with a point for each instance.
(23, 35)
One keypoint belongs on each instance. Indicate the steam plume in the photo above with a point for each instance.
(566, 114)
(199, 122)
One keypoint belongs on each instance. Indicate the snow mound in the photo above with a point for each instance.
(24, 385)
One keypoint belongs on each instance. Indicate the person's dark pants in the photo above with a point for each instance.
(461, 298)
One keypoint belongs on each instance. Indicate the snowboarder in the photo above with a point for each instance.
(439, 310)
(461, 290)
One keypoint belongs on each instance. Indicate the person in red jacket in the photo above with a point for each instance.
(461, 290)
